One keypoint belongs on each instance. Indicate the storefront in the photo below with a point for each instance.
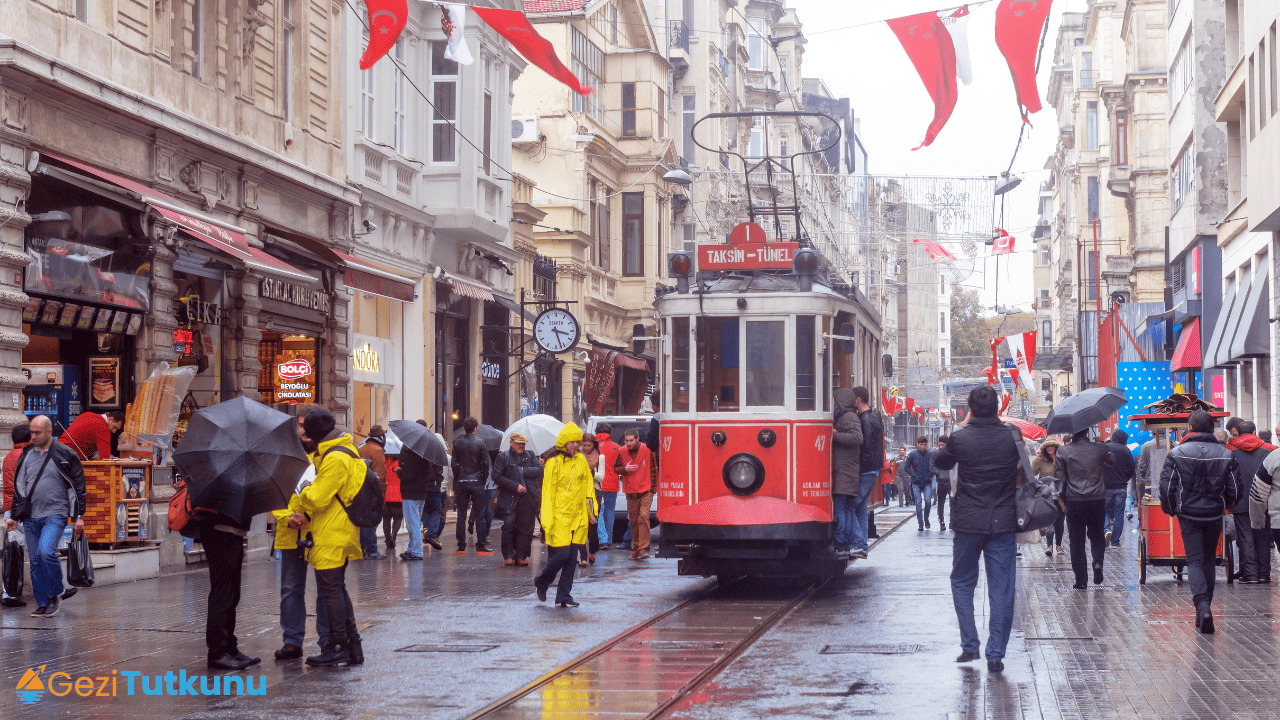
(292, 349)
(495, 338)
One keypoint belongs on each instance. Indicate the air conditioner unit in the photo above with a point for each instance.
(524, 129)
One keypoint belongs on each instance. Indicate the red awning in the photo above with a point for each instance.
(369, 277)
(1187, 355)
(467, 288)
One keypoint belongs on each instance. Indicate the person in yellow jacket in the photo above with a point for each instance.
(329, 537)
(568, 507)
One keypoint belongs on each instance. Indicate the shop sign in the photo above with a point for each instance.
(367, 360)
(490, 370)
(294, 384)
(199, 311)
(299, 295)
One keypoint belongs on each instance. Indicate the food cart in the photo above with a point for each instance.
(1160, 537)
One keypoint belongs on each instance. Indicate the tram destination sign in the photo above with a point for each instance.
(747, 256)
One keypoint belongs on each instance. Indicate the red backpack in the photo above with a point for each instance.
(179, 505)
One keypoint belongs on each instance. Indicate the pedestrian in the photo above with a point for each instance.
(393, 506)
(470, 475)
(590, 449)
(1249, 450)
(89, 435)
(1198, 483)
(332, 540)
(917, 468)
(888, 478)
(518, 474)
(653, 435)
(567, 499)
(293, 580)
(1150, 460)
(374, 452)
(1083, 495)
(610, 486)
(846, 479)
(870, 460)
(1264, 505)
(1042, 466)
(1116, 477)
(902, 479)
(986, 455)
(1265, 435)
(48, 491)
(21, 436)
(943, 480)
(421, 500)
(632, 467)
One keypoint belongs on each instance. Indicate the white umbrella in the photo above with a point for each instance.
(394, 445)
(541, 430)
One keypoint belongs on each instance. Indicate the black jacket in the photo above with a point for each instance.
(417, 476)
(1118, 475)
(510, 471)
(1200, 479)
(872, 455)
(69, 470)
(987, 481)
(1079, 469)
(470, 459)
(1249, 451)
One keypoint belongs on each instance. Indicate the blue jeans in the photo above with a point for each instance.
(998, 555)
(432, 514)
(858, 539)
(43, 535)
(608, 507)
(924, 501)
(842, 508)
(413, 521)
(293, 600)
(369, 540)
(1115, 514)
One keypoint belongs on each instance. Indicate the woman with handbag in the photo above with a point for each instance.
(591, 451)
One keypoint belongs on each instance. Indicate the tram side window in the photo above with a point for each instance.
(842, 372)
(826, 366)
(680, 371)
(766, 363)
(718, 364)
(806, 366)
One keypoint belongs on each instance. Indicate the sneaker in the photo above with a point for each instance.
(407, 557)
(40, 611)
(1048, 552)
(1107, 537)
(70, 592)
(433, 542)
(462, 551)
(484, 550)
(53, 609)
(858, 554)
(334, 655)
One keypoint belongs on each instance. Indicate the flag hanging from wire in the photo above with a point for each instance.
(929, 45)
(937, 253)
(1019, 27)
(515, 27)
(1003, 242)
(958, 25)
(1022, 348)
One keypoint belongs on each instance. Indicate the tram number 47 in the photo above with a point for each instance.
(820, 443)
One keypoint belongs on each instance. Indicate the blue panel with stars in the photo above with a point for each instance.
(1143, 384)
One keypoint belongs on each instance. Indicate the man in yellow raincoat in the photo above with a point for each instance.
(329, 535)
(568, 507)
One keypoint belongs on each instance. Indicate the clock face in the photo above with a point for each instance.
(556, 330)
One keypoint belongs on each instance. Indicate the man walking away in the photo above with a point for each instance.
(518, 474)
(632, 467)
(1249, 450)
(917, 467)
(1116, 477)
(374, 452)
(1150, 461)
(846, 450)
(984, 520)
(1198, 483)
(48, 489)
(1080, 486)
(610, 486)
(470, 473)
(943, 479)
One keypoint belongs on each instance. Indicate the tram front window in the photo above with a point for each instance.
(718, 364)
(680, 371)
(766, 363)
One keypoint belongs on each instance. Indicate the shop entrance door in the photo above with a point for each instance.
(453, 388)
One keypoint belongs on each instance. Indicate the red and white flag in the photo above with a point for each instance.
(1003, 243)
(937, 253)
(1022, 348)
(1019, 27)
(453, 21)
(387, 19)
(958, 24)
(928, 44)
(515, 27)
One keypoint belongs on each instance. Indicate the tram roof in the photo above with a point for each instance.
(777, 283)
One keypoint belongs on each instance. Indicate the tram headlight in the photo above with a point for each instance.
(743, 474)
(680, 267)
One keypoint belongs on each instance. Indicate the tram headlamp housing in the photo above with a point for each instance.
(805, 264)
(680, 267)
(743, 474)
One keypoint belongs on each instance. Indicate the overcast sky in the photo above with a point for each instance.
(868, 65)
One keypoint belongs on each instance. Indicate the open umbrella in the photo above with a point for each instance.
(1084, 410)
(241, 458)
(421, 441)
(488, 434)
(541, 430)
(1030, 431)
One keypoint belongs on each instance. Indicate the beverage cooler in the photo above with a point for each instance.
(55, 391)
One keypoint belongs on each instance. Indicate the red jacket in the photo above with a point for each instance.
(888, 472)
(608, 453)
(88, 433)
(11, 467)
(641, 480)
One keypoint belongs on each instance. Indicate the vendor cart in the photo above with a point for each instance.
(1160, 538)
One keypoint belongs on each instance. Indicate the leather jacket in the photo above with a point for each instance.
(470, 459)
(1079, 469)
(872, 453)
(1200, 479)
(985, 453)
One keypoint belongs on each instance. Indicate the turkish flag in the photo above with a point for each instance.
(1019, 27)
(911, 405)
(386, 19)
(515, 27)
(937, 253)
(929, 45)
(1003, 242)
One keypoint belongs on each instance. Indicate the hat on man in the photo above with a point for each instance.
(519, 438)
(377, 430)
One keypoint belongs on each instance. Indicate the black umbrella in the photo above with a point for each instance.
(241, 458)
(421, 441)
(1084, 410)
(488, 434)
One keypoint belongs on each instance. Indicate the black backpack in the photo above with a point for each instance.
(365, 509)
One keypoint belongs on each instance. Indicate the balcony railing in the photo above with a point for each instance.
(679, 35)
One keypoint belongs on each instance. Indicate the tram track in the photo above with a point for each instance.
(646, 671)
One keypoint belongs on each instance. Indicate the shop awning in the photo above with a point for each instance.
(466, 287)
(1187, 354)
(1251, 336)
(372, 278)
(1215, 354)
(514, 307)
